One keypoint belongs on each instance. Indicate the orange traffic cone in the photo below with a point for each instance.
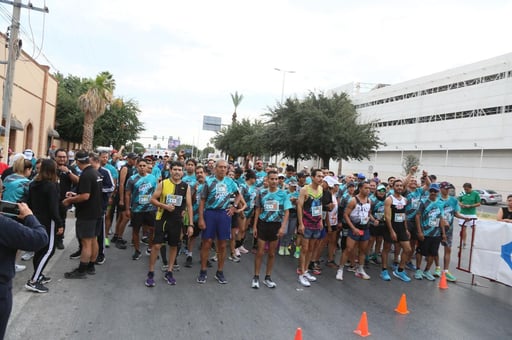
(362, 328)
(402, 305)
(442, 283)
(298, 334)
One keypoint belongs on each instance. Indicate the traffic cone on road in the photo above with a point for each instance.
(298, 334)
(442, 283)
(402, 305)
(362, 328)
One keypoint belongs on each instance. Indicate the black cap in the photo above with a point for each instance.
(132, 155)
(82, 156)
(301, 174)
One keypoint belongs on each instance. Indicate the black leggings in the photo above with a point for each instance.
(43, 255)
(5, 306)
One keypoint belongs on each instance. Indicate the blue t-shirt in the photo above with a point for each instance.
(378, 209)
(272, 205)
(218, 193)
(249, 194)
(189, 179)
(141, 188)
(113, 171)
(196, 198)
(450, 207)
(431, 214)
(156, 172)
(413, 203)
(260, 175)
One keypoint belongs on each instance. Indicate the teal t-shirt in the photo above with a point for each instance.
(272, 205)
(141, 188)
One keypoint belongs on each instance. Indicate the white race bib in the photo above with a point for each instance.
(433, 223)
(316, 211)
(221, 189)
(271, 206)
(144, 199)
(399, 217)
(174, 200)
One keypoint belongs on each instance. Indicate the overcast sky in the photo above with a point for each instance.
(180, 60)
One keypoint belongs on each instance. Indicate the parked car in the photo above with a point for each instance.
(488, 196)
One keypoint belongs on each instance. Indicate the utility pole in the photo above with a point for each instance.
(14, 52)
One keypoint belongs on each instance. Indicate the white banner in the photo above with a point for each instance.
(492, 251)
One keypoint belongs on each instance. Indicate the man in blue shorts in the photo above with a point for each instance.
(215, 213)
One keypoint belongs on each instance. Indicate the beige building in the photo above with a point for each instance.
(33, 105)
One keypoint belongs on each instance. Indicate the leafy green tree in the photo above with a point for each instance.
(206, 151)
(93, 104)
(119, 125)
(189, 150)
(410, 161)
(241, 139)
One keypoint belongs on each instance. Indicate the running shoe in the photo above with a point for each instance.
(234, 258)
(214, 258)
(100, 259)
(237, 252)
(297, 253)
(219, 276)
(208, 264)
(281, 251)
(169, 279)
(385, 275)
(45, 279)
(188, 262)
(304, 281)
(176, 267)
(202, 276)
(394, 266)
(120, 244)
(37, 287)
(145, 240)
(287, 251)
(437, 272)
(91, 270)
(150, 281)
(269, 283)
(360, 273)
(418, 275)
(136, 256)
(75, 255)
(374, 259)
(27, 255)
(243, 250)
(106, 242)
(310, 277)
(19, 267)
(59, 244)
(339, 274)
(165, 267)
(148, 251)
(428, 275)
(401, 275)
(410, 266)
(255, 283)
(352, 269)
(75, 274)
(449, 276)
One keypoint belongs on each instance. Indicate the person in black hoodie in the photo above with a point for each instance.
(31, 236)
(43, 199)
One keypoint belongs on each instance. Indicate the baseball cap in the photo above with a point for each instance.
(82, 156)
(351, 184)
(331, 181)
(446, 185)
(361, 176)
(434, 186)
(301, 174)
(132, 155)
(29, 154)
(281, 175)
(381, 187)
(292, 182)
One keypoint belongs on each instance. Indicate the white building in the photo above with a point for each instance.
(457, 122)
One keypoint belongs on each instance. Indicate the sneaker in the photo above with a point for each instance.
(75, 255)
(27, 255)
(332, 264)
(437, 272)
(297, 253)
(410, 266)
(59, 244)
(36, 287)
(19, 267)
(100, 259)
(150, 281)
(310, 277)
(449, 276)
(145, 240)
(281, 251)
(170, 279)
(91, 270)
(394, 266)
(188, 262)
(352, 269)
(202, 276)
(428, 275)
(339, 275)
(255, 283)
(269, 283)
(136, 256)
(401, 275)
(45, 279)
(418, 274)
(374, 260)
(176, 267)
(148, 251)
(120, 244)
(219, 276)
(243, 250)
(385, 275)
(360, 273)
(114, 239)
(234, 258)
(214, 258)
(237, 252)
(165, 267)
(75, 274)
(106, 242)
(304, 281)
(287, 251)
(208, 264)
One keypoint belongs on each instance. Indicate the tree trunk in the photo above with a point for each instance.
(88, 134)
(325, 162)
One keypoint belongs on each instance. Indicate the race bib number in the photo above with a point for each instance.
(316, 211)
(415, 203)
(271, 206)
(174, 200)
(399, 217)
(144, 199)
(433, 223)
(364, 220)
(379, 216)
(221, 189)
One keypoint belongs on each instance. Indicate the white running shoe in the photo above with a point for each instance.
(304, 281)
(339, 275)
(310, 277)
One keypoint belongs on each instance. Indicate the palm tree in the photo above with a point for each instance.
(237, 99)
(93, 104)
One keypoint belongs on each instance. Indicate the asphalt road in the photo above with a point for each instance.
(115, 304)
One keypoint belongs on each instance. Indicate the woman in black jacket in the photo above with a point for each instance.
(43, 199)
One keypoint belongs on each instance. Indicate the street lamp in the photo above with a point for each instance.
(284, 78)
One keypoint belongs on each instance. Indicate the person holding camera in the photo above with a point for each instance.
(31, 236)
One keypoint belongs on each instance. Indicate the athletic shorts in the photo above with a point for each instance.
(314, 234)
(267, 231)
(218, 225)
(429, 246)
(139, 219)
(86, 228)
(169, 230)
(359, 238)
(377, 231)
(234, 221)
(401, 234)
(323, 233)
(413, 230)
(470, 223)
(197, 231)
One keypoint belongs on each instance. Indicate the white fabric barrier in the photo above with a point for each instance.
(493, 241)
